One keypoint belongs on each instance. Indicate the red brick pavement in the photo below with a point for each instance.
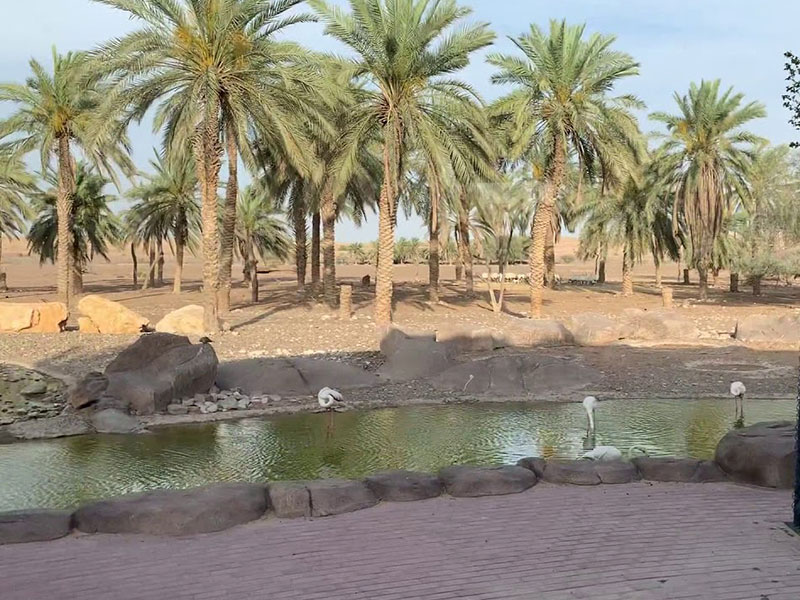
(642, 542)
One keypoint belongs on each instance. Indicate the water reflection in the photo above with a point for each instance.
(62, 473)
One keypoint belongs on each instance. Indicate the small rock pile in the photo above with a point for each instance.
(220, 401)
(26, 394)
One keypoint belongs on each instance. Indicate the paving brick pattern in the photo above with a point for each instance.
(631, 542)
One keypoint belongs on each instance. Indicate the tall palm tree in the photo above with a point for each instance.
(407, 51)
(15, 183)
(707, 154)
(259, 232)
(95, 228)
(57, 113)
(167, 206)
(561, 102)
(219, 75)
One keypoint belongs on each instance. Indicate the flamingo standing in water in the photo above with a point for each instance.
(737, 391)
(328, 397)
(609, 453)
(590, 405)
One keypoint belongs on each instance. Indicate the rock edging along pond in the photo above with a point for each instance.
(221, 506)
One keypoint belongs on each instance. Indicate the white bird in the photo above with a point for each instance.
(609, 453)
(327, 397)
(590, 405)
(737, 391)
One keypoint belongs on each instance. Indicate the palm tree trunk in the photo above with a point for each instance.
(714, 277)
(66, 188)
(160, 275)
(601, 265)
(328, 215)
(300, 258)
(151, 261)
(627, 272)
(550, 259)
(315, 249)
(384, 286)
(756, 285)
(734, 285)
(657, 264)
(433, 246)
(3, 282)
(542, 224)
(463, 247)
(252, 265)
(135, 260)
(702, 274)
(177, 281)
(207, 151)
(77, 278)
(686, 279)
(227, 233)
(459, 260)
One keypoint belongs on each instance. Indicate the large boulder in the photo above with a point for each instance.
(680, 470)
(533, 333)
(52, 427)
(111, 420)
(593, 329)
(110, 317)
(471, 482)
(34, 317)
(184, 321)
(337, 496)
(413, 357)
(467, 339)
(763, 454)
(289, 499)
(771, 329)
(535, 464)
(175, 512)
(88, 390)
(157, 369)
(404, 486)
(22, 526)
(587, 472)
(660, 325)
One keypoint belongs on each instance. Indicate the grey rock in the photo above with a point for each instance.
(22, 526)
(535, 464)
(158, 369)
(594, 329)
(228, 404)
(244, 404)
(709, 472)
(775, 330)
(404, 486)
(34, 388)
(575, 472)
(112, 420)
(52, 427)
(177, 409)
(537, 333)
(175, 512)
(289, 499)
(660, 325)
(414, 357)
(209, 407)
(337, 496)
(762, 454)
(467, 339)
(88, 390)
(616, 472)
(681, 470)
(470, 482)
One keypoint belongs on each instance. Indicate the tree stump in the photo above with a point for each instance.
(345, 302)
(666, 296)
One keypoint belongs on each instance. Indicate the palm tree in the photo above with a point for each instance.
(167, 206)
(56, 113)
(561, 102)
(94, 227)
(15, 183)
(707, 156)
(406, 50)
(219, 75)
(259, 233)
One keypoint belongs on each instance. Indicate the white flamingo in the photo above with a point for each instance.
(610, 453)
(737, 391)
(590, 405)
(327, 397)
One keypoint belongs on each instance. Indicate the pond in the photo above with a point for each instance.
(66, 472)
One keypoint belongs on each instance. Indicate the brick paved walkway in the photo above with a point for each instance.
(663, 541)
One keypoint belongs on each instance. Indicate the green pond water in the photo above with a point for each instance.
(66, 472)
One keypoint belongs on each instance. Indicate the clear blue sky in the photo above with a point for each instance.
(676, 41)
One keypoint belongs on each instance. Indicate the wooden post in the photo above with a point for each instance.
(666, 296)
(345, 302)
